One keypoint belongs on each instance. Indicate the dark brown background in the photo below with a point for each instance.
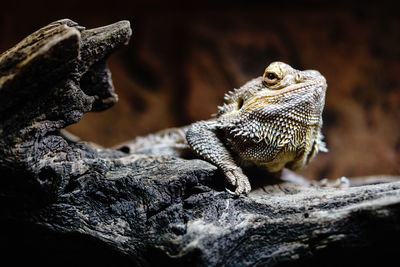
(183, 57)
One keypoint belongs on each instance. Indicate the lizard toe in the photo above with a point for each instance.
(243, 186)
(239, 180)
(231, 177)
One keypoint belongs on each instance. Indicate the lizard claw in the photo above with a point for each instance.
(231, 192)
(236, 178)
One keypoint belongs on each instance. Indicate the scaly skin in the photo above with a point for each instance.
(273, 121)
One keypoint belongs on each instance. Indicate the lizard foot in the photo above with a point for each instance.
(342, 182)
(236, 178)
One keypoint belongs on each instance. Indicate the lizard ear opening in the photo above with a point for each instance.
(240, 103)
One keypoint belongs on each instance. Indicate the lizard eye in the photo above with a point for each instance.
(270, 78)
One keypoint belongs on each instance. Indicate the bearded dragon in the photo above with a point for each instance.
(273, 121)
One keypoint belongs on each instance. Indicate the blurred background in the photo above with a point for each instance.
(184, 56)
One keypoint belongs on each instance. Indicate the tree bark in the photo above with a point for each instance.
(65, 202)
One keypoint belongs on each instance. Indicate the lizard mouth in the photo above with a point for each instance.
(302, 88)
(306, 85)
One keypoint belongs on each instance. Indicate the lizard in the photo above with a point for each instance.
(272, 121)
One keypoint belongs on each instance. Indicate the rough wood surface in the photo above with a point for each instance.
(69, 202)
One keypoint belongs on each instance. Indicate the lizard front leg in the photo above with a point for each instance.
(203, 139)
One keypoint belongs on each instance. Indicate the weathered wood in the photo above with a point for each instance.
(150, 209)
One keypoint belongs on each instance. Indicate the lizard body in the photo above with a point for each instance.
(273, 121)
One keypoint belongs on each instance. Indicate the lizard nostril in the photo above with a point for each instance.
(298, 77)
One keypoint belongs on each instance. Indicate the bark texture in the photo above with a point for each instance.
(73, 203)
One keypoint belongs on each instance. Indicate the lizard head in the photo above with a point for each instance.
(279, 83)
(282, 86)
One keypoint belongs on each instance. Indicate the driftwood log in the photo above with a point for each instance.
(65, 202)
